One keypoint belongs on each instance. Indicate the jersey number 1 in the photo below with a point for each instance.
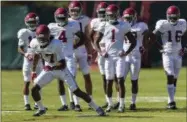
(113, 35)
(62, 36)
(178, 36)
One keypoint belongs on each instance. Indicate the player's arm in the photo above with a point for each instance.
(59, 65)
(148, 38)
(36, 58)
(21, 50)
(79, 38)
(184, 43)
(155, 38)
(98, 37)
(132, 40)
(88, 40)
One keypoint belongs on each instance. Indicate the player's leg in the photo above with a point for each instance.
(177, 67)
(83, 64)
(101, 65)
(61, 90)
(70, 62)
(120, 70)
(109, 71)
(65, 74)
(134, 70)
(84, 67)
(27, 78)
(168, 64)
(116, 105)
(38, 71)
(75, 104)
(43, 79)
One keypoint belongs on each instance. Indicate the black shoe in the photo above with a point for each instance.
(39, 112)
(116, 105)
(100, 112)
(121, 109)
(132, 107)
(72, 105)
(78, 108)
(172, 106)
(105, 105)
(28, 107)
(63, 108)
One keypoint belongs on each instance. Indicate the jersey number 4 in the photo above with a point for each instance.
(62, 36)
(178, 36)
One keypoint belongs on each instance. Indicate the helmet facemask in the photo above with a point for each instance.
(32, 24)
(101, 13)
(61, 20)
(111, 17)
(75, 12)
(173, 18)
(43, 39)
(129, 18)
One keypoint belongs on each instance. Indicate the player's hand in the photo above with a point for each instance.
(122, 53)
(33, 76)
(142, 50)
(29, 56)
(89, 59)
(47, 68)
(104, 54)
(181, 52)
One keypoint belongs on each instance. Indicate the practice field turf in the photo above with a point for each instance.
(151, 101)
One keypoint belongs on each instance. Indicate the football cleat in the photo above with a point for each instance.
(108, 109)
(171, 106)
(28, 107)
(105, 105)
(121, 109)
(78, 108)
(72, 105)
(116, 105)
(39, 112)
(63, 108)
(132, 107)
(100, 112)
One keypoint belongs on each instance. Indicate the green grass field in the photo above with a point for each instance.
(151, 100)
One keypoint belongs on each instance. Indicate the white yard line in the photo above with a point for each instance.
(127, 99)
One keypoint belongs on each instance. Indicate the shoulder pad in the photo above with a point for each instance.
(51, 25)
(161, 22)
(143, 24)
(22, 33)
(183, 21)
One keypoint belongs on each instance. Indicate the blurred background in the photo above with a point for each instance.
(13, 13)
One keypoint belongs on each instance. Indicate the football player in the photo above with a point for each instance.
(80, 52)
(55, 67)
(171, 31)
(133, 60)
(25, 35)
(66, 31)
(113, 33)
(92, 28)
